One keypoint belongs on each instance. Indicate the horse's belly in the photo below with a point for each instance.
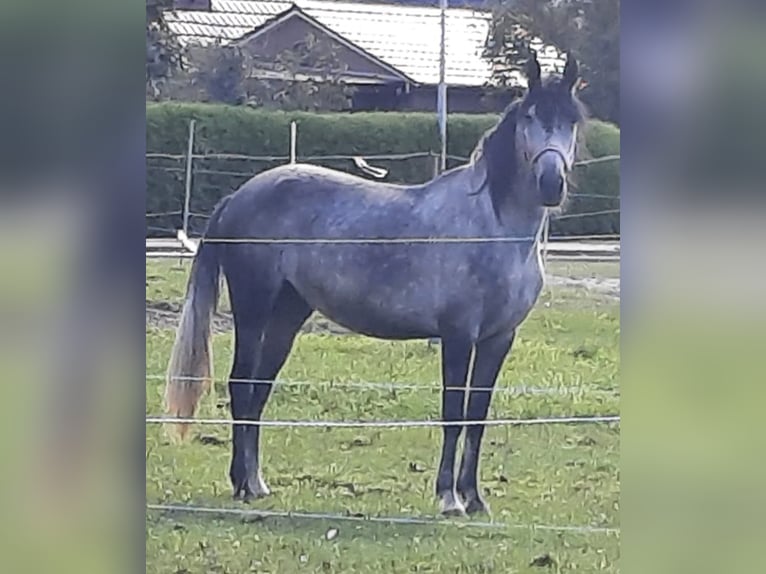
(382, 311)
(368, 321)
(367, 318)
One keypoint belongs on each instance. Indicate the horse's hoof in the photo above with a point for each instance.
(246, 495)
(239, 493)
(477, 506)
(251, 489)
(450, 505)
(250, 497)
(454, 511)
(259, 488)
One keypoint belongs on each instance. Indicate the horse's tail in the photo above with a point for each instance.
(190, 369)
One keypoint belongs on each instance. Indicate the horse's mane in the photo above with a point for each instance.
(497, 149)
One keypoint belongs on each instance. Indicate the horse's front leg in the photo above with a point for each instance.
(456, 356)
(490, 355)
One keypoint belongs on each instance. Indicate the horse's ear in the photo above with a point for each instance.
(571, 73)
(533, 71)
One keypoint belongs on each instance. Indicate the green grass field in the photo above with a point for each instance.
(533, 475)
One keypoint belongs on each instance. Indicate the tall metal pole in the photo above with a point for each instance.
(293, 141)
(187, 194)
(441, 101)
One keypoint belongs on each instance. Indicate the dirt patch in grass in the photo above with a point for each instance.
(609, 287)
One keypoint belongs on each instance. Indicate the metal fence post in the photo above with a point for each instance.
(546, 236)
(293, 141)
(187, 194)
(441, 97)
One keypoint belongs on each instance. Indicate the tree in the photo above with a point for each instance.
(309, 76)
(599, 49)
(589, 29)
(163, 52)
(220, 73)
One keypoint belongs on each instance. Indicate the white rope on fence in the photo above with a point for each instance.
(392, 386)
(188, 244)
(403, 520)
(387, 424)
(601, 159)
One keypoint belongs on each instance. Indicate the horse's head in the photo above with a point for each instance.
(535, 140)
(546, 129)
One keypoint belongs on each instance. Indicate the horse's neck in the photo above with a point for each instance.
(516, 218)
(522, 221)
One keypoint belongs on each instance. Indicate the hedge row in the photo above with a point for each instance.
(239, 130)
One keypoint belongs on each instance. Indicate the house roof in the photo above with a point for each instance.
(388, 72)
(406, 38)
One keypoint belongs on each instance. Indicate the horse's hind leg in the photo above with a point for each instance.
(251, 304)
(289, 313)
(489, 358)
(456, 356)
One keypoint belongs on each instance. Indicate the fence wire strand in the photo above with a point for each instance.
(518, 390)
(398, 520)
(336, 157)
(394, 240)
(154, 419)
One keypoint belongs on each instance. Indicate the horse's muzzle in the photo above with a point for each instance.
(552, 187)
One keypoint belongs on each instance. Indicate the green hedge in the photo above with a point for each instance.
(239, 130)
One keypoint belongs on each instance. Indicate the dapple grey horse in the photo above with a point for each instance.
(368, 256)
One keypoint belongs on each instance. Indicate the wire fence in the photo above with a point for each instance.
(231, 170)
(203, 176)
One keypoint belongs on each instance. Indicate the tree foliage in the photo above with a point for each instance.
(589, 29)
(307, 77)
(220, 70)
(163, 51)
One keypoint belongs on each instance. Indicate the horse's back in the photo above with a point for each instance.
(300, 200)
(306, 181)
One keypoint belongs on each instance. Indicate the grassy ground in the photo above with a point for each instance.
(545, 475)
